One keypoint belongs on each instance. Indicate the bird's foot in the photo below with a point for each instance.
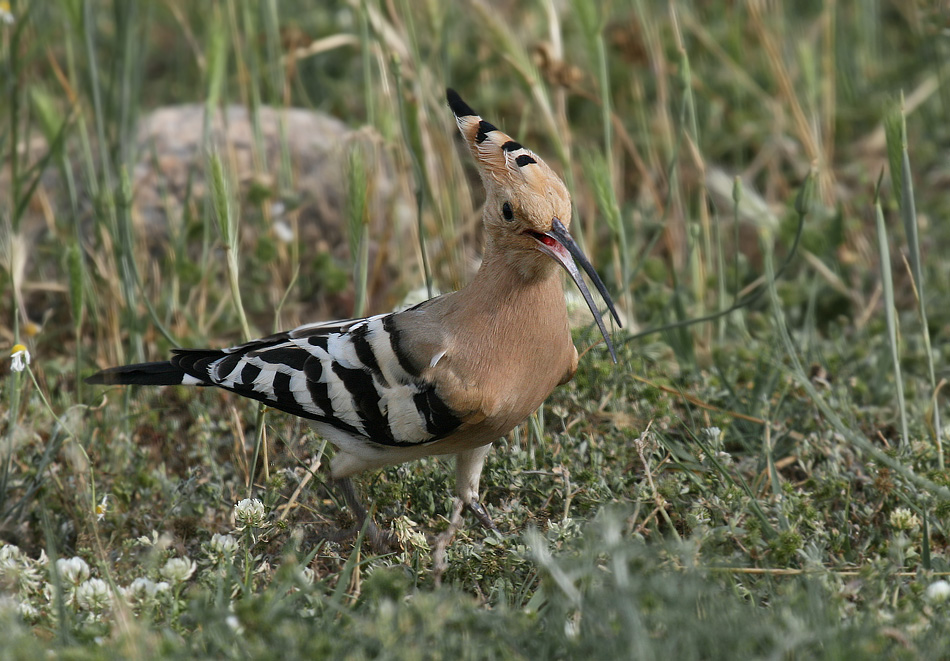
(379, 541)
(481, 514)
(443, 539)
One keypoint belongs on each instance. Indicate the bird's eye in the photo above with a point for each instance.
(507, 212)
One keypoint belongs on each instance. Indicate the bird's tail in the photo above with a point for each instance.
(144, 374)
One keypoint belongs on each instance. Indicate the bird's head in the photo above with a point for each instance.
(527, 208)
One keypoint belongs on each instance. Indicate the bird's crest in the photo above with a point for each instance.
(501, 159)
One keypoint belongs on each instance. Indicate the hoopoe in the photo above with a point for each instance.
(448, 376)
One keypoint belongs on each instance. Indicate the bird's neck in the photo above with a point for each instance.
(505, 297)
(519, 275)
(511, 332)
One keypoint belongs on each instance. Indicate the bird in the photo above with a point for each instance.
(448, 376)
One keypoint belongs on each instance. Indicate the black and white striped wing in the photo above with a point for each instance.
(346, 374)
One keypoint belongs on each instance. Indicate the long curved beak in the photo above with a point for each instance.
(562, 248)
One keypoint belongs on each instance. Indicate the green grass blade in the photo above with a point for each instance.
(890, 316)
(902, 177)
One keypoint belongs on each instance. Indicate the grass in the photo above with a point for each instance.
(761, 476)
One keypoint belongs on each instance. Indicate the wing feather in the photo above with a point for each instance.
(346, 374)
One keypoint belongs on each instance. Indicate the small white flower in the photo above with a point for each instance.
(23, 578)
(178, 570)
(102, 508)
(18, 572)
(74, 570)
(903, 519)
(405, 530)
(93, 595)
(139, 589)
(27, 611)
(20, 355)
(144, 588)
(938, 591)
(10, 553)
(712, 433)
(6, 16)
(223, 545)
(9, 566)
(249, 513)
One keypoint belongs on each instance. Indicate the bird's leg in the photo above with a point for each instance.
(442, 541)
(468, 473)
(379, 540)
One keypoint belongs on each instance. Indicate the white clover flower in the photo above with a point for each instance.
(93, 595)
(178, 570)
(74, 570)
(938, 591)
(308, 575)
(10, 553)
(712, 433)
(160, 542)
(405, 530)
(223, 545)
(23, 577)
(20, 355)
(27, 611)
(144, 588)
(140, 588)
(903, 519)
(249, 513)
(17, 571)
(9, 568)
(10, 560)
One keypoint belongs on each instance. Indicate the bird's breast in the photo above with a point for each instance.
(504, 362)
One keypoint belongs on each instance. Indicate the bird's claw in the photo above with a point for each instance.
(481, 514)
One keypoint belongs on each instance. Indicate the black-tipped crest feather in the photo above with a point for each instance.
(459, 107)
